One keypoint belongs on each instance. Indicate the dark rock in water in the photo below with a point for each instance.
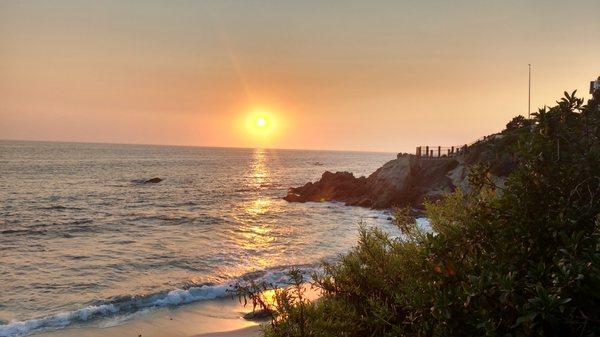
(153, 181)
(332, 186)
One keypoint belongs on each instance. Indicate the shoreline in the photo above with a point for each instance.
(222, 317)
(210, 318)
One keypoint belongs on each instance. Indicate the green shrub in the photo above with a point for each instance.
(517, 260)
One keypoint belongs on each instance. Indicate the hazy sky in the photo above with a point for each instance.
(351, 75)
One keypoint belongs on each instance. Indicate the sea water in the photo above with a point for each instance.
(82, 237)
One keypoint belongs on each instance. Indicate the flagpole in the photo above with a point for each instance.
(529, 95)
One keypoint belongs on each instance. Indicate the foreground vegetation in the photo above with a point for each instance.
(520, 259)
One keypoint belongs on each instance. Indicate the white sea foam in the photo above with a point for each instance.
(180, 296)
(61, 320)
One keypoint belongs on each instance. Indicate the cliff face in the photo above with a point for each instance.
(403, 181)
(408, 180)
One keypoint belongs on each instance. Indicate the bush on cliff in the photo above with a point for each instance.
(520, 260)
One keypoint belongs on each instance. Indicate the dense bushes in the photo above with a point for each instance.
(517, 260)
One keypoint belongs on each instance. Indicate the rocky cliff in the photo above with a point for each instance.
(408, 180)
(403, 181)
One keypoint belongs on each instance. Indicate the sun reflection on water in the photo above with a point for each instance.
(257, 232)
(259, 174)
(258, 206)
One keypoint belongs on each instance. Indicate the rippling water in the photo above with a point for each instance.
(81, 237)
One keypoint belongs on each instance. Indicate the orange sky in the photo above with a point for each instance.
(347, 75)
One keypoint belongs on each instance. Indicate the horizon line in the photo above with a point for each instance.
(197, 146)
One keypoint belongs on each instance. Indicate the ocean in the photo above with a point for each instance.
(83, 238)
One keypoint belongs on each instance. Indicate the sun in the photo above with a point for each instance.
(261, 122)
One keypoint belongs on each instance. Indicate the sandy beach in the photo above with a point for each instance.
(211, 318)
(221, 317)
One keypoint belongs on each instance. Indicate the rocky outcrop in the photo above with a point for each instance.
(408, 180)
(153, 181)
(339, 186)
(403, 181)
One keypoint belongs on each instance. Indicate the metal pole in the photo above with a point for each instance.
(529, 95)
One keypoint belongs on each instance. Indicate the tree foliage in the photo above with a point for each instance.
(518, 122)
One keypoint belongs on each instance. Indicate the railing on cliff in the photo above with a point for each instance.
(426, 151)
(439, 151)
